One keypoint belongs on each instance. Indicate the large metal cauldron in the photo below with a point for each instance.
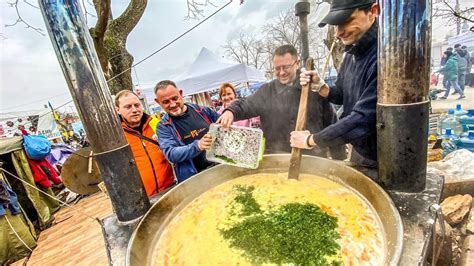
(148, 232)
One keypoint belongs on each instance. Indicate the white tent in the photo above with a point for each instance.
(466, 38)
(208, 72)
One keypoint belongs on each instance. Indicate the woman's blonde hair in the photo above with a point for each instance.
(226, 85)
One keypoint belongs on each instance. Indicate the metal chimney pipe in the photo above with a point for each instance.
(403, 84)
(302, 10)
(81, 68)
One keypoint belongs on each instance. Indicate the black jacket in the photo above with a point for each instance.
(277, 106)
(356, 90)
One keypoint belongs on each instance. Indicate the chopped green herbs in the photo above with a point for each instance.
(226, 159)
(295, 233)
(244, 197)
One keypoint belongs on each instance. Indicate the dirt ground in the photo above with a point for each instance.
(443, 105)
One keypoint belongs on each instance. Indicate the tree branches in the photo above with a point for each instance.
(283, 30)
(20, 20)
(103, 11)
(125, 23)
(453, 13)
(257, 50)
(85, 9)
(447, 10)
(247, 49)
(196, 8)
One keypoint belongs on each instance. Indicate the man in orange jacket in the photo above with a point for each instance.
(156, 172)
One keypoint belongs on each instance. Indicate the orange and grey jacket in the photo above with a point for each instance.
(156, 172)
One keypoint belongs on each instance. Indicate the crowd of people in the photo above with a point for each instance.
(173, 149)
(456, 69)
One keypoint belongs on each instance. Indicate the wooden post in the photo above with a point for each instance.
(295, 159)
(302, 9)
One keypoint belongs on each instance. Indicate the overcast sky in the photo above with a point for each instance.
(30, 74)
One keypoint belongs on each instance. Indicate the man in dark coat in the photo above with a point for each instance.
(277, 105)
(355, 88)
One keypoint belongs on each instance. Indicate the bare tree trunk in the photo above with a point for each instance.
(110, 35)
(120, 64)
(458, 19)
(110, 39)
(103, 11)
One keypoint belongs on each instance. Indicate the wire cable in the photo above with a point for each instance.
(136, 75)
(36, 101)
(152, 54)
(172, 41)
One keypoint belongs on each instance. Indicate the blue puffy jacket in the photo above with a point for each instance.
(175, 150)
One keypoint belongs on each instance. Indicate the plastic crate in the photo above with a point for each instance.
(239, 146)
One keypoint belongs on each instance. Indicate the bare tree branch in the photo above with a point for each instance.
(451, 11)
(103, 10)
(247, 49)
(20, 19)
(125, 23)
(110, 35)
(196, 9)
(283, 29)
(462, 15)
(86, 10)
(30, 4)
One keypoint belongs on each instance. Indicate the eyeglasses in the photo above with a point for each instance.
(285, 68)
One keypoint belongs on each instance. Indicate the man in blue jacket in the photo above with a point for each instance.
(182, 131)
(355, 88)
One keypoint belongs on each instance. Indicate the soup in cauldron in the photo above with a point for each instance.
(266, 218)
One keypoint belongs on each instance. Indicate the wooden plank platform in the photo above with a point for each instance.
(74, 239)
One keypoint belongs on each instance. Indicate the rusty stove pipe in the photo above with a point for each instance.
(81, 68)
(403, 84)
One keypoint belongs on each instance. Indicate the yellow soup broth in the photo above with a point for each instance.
(192, 237)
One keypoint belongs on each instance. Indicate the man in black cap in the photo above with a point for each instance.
(355, 87)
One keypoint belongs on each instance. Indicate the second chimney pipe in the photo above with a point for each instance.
(403, 84)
